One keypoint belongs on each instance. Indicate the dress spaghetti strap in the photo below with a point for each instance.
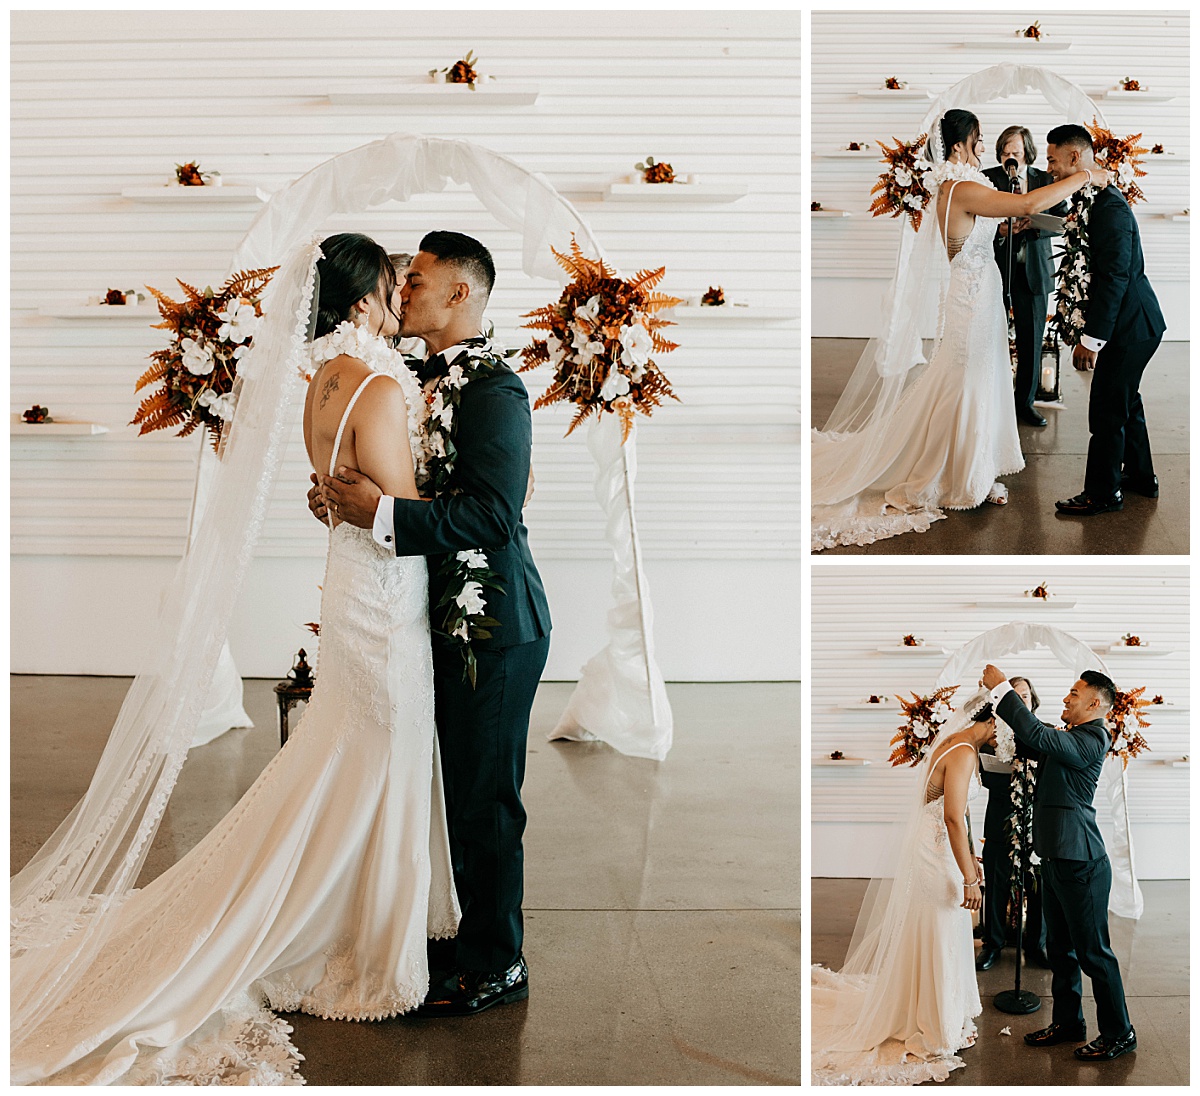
(337, 441)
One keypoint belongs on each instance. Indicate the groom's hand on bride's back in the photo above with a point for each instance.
(316, 500)
(352, 497)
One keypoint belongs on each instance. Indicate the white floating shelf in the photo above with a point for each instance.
(1176, 216)
(425, 93)
(1027, 603)
(1019, 43)
(104, 312)
(872, 154)
(729, 313)
(891, 708)
(839, 213)
(923, 649)
(674, 192)
(1169, 706)
(1165, 158)
(196, 195)
(852, 762)
(1120, 95)
(1177, 763)
(58, 428)
(1144, 651)
(899, 94)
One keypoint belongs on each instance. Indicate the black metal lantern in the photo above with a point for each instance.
(297, 687)
(1049, 387)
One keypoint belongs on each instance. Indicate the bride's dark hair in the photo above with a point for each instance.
(959, 125)
(353, 267)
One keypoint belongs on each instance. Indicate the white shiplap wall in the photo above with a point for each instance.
(856, 51)
(103, 100)
(857, 609)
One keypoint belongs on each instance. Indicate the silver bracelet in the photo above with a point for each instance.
(975, 883)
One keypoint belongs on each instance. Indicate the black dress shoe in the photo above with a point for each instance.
(1148, 488)
(1086, 506)
(1055, 1034)
(1029, 415)
(1037, 957)
(470, 991)
(986, 959)
(1101, 1049)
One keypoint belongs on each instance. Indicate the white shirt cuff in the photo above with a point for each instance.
(999, 691)
(1093, 344)
(384, 529)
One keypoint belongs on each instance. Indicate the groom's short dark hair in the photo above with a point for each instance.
(1103, 684)
(467, 253)
(1071, 136)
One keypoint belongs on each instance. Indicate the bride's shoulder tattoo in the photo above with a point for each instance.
(328, 389)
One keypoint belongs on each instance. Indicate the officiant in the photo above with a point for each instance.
(1032, 271)
(997, 865)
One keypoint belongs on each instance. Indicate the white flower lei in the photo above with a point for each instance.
(950, 169)
(1074, 279)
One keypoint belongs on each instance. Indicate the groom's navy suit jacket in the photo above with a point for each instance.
(1064, 820)
(1122, 306)
(494, 441)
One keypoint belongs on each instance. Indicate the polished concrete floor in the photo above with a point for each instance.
(661, 905)
(1153, 953)
(1055, 457)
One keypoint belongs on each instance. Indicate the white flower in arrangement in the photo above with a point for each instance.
(470, 599)
(636, 344)
(585, 347)
(556, 349)
(591, 310)
(912, 201)
(440, 411)
(902, 177)
(197, 358)
(1085, 280)
(221, 406)
(1125, 173)
(240, 322)
(941, 710)
(461, 630)
(1077, 318)
(615, 384)
(921, 729)
(1080, 263)
(437, 444)
(456, 377)
(1006, 743)
(472, 558)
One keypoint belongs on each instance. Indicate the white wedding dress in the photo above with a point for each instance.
(952, 434)
(902, 1021)
(316, 893)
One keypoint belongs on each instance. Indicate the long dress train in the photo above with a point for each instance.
(952, 434)
(318, 890)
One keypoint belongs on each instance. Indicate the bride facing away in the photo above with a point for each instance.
(905, 1001)
(907, 439)
(319, 890)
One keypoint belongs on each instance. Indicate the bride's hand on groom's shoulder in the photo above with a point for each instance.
(1101, 178)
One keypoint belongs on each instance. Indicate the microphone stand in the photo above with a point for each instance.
(1014, 186)
(1020, 1001)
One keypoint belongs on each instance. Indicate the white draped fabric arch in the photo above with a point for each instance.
(965, 666)
(621, 698)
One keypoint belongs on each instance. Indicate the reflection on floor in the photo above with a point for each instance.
(1055, 456)
(1153, 953)
(662, 900)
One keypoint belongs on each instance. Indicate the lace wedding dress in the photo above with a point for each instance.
(952, 434)
(901, 1016)
(317, 892)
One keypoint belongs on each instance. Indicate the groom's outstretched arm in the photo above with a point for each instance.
(1075, 750)
(1111, 241)
(494, 441)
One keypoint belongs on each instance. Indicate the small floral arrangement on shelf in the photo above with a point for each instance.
(901, 189)
(189, 174)
(119, 297)
(1157, 150)
(1034, 31)
(1130, 640)
(655, 173)
(858, 146)
(1041, 591)
(714, 298)
(924, 717)
(1157, 699)
(911, 640)
(462, 71)
(37, 414)
(1128, 83)
(815, 207)
(210, 331)
(601, 334)
(1127, 722)
(894, 83)
(837, 755)
(876, 698)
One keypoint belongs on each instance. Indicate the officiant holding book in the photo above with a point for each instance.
(1028, 254)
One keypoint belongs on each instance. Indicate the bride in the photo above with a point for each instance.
(906, 999)
(319, 889)
(906, 439)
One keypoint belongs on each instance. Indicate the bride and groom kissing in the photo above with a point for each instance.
(375, 866)
(905, 1002)
(909, 439)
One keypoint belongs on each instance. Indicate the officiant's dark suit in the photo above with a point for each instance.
(1123, 312)
(482, 731)
(1030, 289)
(1075, 869)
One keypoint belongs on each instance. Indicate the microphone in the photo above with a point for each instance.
(1011, 166)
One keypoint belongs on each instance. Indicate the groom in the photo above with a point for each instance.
(1075, 870)
(1123, 329)
(482, 730)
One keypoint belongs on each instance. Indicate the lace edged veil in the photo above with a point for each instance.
(93, 859)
